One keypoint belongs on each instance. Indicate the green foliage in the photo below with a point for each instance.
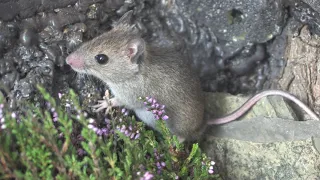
(57, 142)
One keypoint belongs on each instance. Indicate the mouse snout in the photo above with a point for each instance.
(75, 61)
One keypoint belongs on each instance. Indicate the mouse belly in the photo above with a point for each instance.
(146, 116)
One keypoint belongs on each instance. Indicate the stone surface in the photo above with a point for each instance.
(301, 76)
(221, 38)
(240, 21)
(22, 8)
(267, 130)
(307, 12)
(275, 160)
(261, 145)
(221, 104)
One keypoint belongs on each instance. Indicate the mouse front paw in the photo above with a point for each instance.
(105, 104)
(102, 104)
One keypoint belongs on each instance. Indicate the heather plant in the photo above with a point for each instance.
(61, 141)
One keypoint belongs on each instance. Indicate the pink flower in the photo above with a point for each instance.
(147, 176)
(165, 117)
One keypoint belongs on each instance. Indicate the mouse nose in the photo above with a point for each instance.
(75, 61)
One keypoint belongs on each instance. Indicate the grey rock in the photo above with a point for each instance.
(239, 22)
(10, 9)
(315, 4)
(301, 75)
(267, 130)
(221, 104)
(238, 159)
(306, 14)
(260, 145)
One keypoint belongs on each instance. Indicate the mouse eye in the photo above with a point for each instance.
(101, 58)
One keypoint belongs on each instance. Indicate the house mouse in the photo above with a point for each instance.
(132, 68)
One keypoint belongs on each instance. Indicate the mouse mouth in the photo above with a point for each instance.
(79, 70)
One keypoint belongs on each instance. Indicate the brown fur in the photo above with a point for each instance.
(162, 74)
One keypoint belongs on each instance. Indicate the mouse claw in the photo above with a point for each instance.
(102, 104)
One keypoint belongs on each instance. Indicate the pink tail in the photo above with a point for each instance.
(249, 104)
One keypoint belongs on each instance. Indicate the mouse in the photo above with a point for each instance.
(133, 68)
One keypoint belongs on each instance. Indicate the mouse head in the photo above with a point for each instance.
(114, 56)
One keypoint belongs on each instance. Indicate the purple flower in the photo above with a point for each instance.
(132, 136)
(99, 132)
(147, 176)
(126, 132)
(13, 115)
(137, 136)
(59, 95)
(48, 104)
(165, 117)
(211, 171)
(150, 100)
(55, 119)
(157, 105)
(154, 101)
(156, 109)
(107, 120)
(104, 131)
(81, 152)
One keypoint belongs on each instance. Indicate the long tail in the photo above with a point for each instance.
(249, 104)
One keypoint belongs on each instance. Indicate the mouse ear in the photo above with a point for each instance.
(136, 48)
(126, 18)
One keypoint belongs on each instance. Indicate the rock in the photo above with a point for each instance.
(238, 159)
(261, 145)
(301, 76)
(221, 104)
(266, 130)
(238, 21)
